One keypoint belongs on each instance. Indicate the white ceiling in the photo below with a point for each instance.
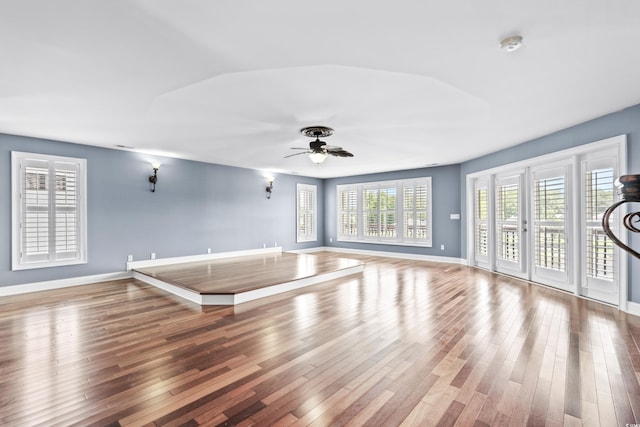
(405, 84)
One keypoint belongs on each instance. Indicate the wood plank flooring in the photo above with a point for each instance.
(408, 343)
(246, 273)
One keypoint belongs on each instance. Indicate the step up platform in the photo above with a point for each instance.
(234, 278)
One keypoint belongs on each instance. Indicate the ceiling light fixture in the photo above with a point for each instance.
(318, 157)
(511, 43)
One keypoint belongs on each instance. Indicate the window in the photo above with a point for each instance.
(379, 205)
(49, 211)
(481, 223)
(348, 213)
(508, 219)
(599, 247)
(391, 212)
(306, 213)
(598, 172)
(415, 201)
(550, 229)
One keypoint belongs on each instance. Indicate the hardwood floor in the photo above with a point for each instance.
(407, 343)
(246, 273)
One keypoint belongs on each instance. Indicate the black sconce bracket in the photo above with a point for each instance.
(629, 191)
(153, 179)
(269, 189)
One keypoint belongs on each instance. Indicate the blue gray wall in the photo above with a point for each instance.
(199, 206)
(196, 206)
(622, 122)
(445, 184)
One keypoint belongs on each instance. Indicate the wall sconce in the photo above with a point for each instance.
(270, 187)
(154, 178)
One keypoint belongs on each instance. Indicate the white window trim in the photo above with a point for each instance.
(399, 239)
(17, 160)
(313, 236)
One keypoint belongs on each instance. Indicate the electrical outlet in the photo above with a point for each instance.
(129, 258)
(442, 247)
(153, 255)
(208, 250)
(330, 239)
(275, 244)
(264, 245)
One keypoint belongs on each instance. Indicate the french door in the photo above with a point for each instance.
(600, 276)
(551, 234)
(510, 225)
(543, 223)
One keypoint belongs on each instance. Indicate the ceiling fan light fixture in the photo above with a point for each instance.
(319, 150)
(318, 157)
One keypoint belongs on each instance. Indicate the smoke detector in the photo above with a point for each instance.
(511, 43)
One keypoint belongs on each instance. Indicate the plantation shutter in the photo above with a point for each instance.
(67, 243)
(481, 221)
(36, 222)
(348, 214)
(416, 210)
(371, 211)
(386, 212)
(49, 210)
(306, 213)
(508, 219)
(599, 195)
(550, 225)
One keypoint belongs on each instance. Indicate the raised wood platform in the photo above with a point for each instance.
(240, 279)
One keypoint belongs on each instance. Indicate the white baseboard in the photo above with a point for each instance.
(295, 284)
(176, 290)
(204, 257)
(401, 255)
(61, 283)
(633, 308)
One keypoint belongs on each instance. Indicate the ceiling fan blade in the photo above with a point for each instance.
(299, 148)
(339, 153)
(297, 154)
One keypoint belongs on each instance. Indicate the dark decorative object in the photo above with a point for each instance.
(629, 191)
(153, 179)
(270, 187)
(319, 150)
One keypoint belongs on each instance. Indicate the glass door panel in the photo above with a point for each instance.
(510, 225)
(550, 228)
(481, 224)
(599, 278)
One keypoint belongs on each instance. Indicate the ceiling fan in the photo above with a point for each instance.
(319, 150)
